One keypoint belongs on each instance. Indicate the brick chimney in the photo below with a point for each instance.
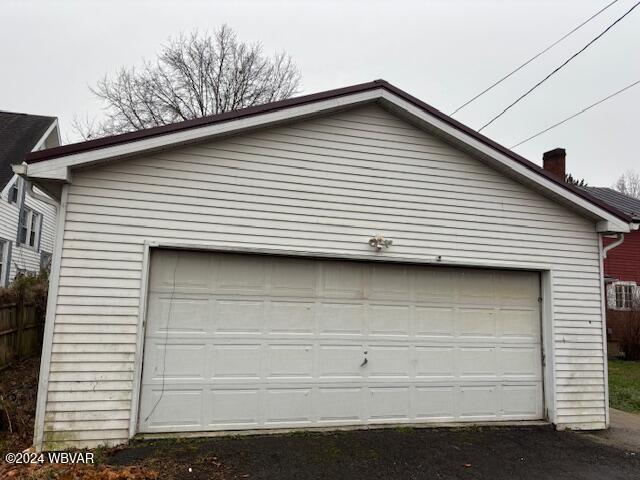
(553, 161)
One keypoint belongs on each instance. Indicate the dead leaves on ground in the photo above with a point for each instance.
(57, 471)
(18, 386)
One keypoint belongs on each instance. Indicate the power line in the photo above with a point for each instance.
(558, 68)
(492, 86)
(576, 114)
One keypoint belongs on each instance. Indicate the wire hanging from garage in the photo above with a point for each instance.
(166, 336)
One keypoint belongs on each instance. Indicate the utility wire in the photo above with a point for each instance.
(495, 84)
(576, 114)
(558, 68)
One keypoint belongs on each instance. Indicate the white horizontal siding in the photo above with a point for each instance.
(9, 214)
(323, 186)
(22, 257)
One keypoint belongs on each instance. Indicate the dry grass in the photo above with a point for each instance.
(18, 393)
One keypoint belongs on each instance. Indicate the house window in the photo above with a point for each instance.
(624, 295)
(45, 261)
(29, 229)
(14, 193)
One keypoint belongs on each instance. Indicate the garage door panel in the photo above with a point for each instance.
(237, 361)
(514, 287)
(340, 318)
(173, 408)
(287, 406)
(187, 274)
(342, 280)
(388, 319)
(239, 274)
(178, 313)
(237, 316)
(290, 361)
(389, 404)
(294, 278)
(435, 403)
(519, 323)
(433, 286)
(478, 401)
(232, 408)
(520, 362)
(341, 405)
(291, 317)
(336, 362)
(175, 361)
(475, 322)
(476, 362)
(389, 282)
(388, 361)
(436, 362)
(520, 401)
(474, 287)
(269, 342)
(430, 321)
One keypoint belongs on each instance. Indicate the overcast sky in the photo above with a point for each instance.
(443, 52)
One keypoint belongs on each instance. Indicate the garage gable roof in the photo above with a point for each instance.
(54, 164)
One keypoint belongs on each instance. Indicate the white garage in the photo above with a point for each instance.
(352, 257)
(253, 341)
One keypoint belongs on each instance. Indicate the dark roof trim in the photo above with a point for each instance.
(198, 122)
(298, 101)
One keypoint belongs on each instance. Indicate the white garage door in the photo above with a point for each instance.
(250, 342)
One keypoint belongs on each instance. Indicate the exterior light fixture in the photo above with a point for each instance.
(379, 242)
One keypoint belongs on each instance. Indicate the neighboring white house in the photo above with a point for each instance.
(353, 257)
(26, 224)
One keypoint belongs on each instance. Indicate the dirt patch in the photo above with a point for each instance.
(464, 453)
(18, 394)
(185, 458)
(75, 472)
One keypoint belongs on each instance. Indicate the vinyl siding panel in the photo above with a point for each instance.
(324, 186)
(22, 257)
(9, 213)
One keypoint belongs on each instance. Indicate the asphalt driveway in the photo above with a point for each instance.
(532, 452)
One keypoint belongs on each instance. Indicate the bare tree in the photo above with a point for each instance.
(578, 182)
(629, 183)
(194, 75)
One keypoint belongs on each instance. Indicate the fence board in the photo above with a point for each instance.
(20, 332)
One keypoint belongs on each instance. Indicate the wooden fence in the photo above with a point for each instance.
(619, 332)
(20, 332)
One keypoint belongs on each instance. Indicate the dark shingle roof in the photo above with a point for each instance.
(620, 201)
(19, 133)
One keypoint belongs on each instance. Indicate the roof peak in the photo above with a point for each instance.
(338, 98)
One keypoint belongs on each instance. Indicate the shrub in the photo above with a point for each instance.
(29, 288)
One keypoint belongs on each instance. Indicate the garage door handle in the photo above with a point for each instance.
(364, 362)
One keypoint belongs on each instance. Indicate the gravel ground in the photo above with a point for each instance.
(493, 453)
